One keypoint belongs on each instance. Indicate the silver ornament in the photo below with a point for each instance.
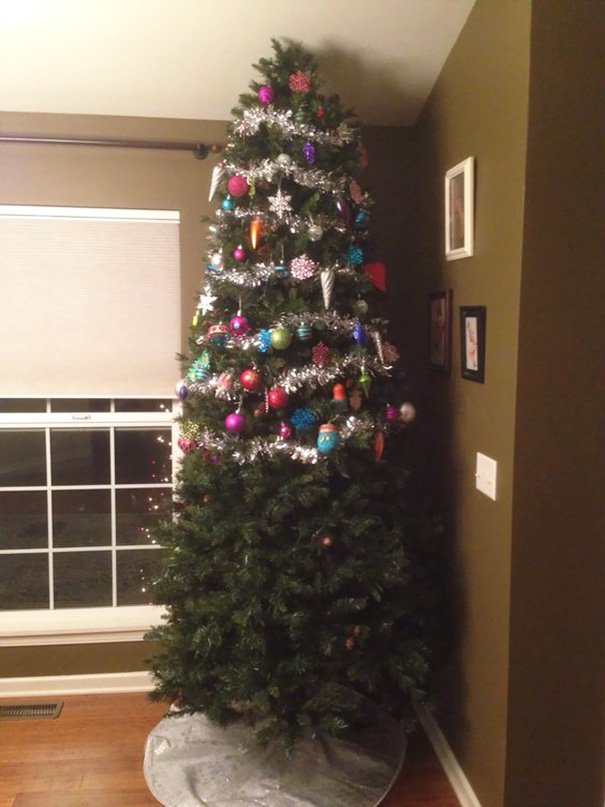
(217, 174)
(327, 285)
(377, 339)
(217, 260)
(361, 307)
(315, 232)
(284, 160)
(407, 412)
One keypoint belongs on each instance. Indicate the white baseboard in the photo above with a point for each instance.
(445, 755)
(55, 685)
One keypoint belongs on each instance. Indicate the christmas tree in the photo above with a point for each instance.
(298, 579)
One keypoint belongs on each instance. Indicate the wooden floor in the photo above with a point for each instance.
(91, 756)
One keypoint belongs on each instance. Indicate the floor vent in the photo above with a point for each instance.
(30, 711)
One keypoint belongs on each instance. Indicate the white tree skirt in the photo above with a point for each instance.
(190, 762)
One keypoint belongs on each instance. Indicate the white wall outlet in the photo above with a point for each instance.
(485, 475)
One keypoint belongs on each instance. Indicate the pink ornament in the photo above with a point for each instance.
(302, 267)
(391, 413)
(299, 82)
(355, 191)
(390, 353)
(185, 445)
(265, 94)
(239, 253)
(285, 431)
(237, 185)
(277, 398)
(239, 325)
(234, 423)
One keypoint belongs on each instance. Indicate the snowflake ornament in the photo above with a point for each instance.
(206, 303)
(280, 204)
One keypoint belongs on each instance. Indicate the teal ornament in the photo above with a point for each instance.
(199, 370)
(264, 340)
(327, 439)
(354, 256)
(228, 204)
(362, 220)
(303, 419)
(304, 333)
(280, 269)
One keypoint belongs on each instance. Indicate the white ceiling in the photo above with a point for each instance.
(192, 58)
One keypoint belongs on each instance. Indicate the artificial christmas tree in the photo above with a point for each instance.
(298, 581)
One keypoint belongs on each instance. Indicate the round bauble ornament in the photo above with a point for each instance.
(327, 439)
(391, 413)
(304, 332)
(239, 325)
(361, 307)
(277, 398)
(284, 160)
(250, 380)
(362, 220)
(265, 94)
(234, 423)
(186, 445)
(280, 269)
(315, 232)
(285, 431)
(181, 389)
(237, 185)
(227, 204)
(280, 338)
(407, 412)
(217, 334)
(239, 253)
(216, 260)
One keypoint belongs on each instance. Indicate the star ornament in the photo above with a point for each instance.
(280, 204)
(206, 303)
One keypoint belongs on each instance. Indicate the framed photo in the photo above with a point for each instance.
(440, 331)
(459, 210)
(472, 342)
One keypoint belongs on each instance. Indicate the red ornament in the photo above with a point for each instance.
(250, 380)
(278, 398)
(320, 354)
(378, 274)
(299, 82)
(339, 397)
(378, 445)
(237, 185)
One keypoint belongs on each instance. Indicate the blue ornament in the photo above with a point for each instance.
(362, 220)
(308, 151)
(280, 269)
(359, 334)
(303, 419)
(264, 340)
(354, 256)
(228, 203)
(327, 439)
(304, 332)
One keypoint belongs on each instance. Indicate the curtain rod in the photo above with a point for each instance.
(199, 150)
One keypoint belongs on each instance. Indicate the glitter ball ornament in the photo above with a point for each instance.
(304, 332)
(285, 431)
(239, 325)
(308, 152)
(354, 256)
(284, 160)
(251, 380)
(315, 232)
(391, 413)
(407, 412)
(239, 253)
(217, 334)
(265, 94)
(181, 389)
(234, 423)
(264, 340)
(227, 204)
(302, 267)
(277, 398)
(280, 338)
(320, 354)
(237, 185)
(303, 419)
(299, 82)
(327, 439)
(339, 397)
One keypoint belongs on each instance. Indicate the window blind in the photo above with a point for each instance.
(89, 301)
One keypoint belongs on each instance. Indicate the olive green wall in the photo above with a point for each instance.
(557, 661)
(477, 108)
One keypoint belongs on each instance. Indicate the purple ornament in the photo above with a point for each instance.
(239, 325)
(239, 253)
(391, 413)
(181, 390)
(308, 151)
(265, 94)
(234, 423)
(285, 431)
(343, 209)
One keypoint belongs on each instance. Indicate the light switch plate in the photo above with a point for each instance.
(486, 475)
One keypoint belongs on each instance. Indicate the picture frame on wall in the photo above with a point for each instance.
(472, 342)
(459, 210)
(440, 331)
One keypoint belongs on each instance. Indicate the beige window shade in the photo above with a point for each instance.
(89, 301)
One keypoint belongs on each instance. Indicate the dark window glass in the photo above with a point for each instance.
(20, 405)
(137, 570)
(143, 405)
(24, 581)
(136, 513)
(81, 518)
(80, 405)
(82, 579)
(80, 456)
(143, 456)
(23, 520)
(22, 457)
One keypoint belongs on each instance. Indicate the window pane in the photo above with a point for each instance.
(80, 456)
(22, 405)
(136, 571)
(143, 455)
(143, 405)
(82, 579)
(22, 457)
(24, 581)
(136, 513)
(80, 405)
(81, 517)
(23, 520)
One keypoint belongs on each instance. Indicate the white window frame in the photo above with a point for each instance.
(86, 625)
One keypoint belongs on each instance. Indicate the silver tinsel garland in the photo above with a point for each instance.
(252, 119)
(253, 276)
(268, 170)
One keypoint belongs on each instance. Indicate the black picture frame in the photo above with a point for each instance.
(440, 331)
(472, 342)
